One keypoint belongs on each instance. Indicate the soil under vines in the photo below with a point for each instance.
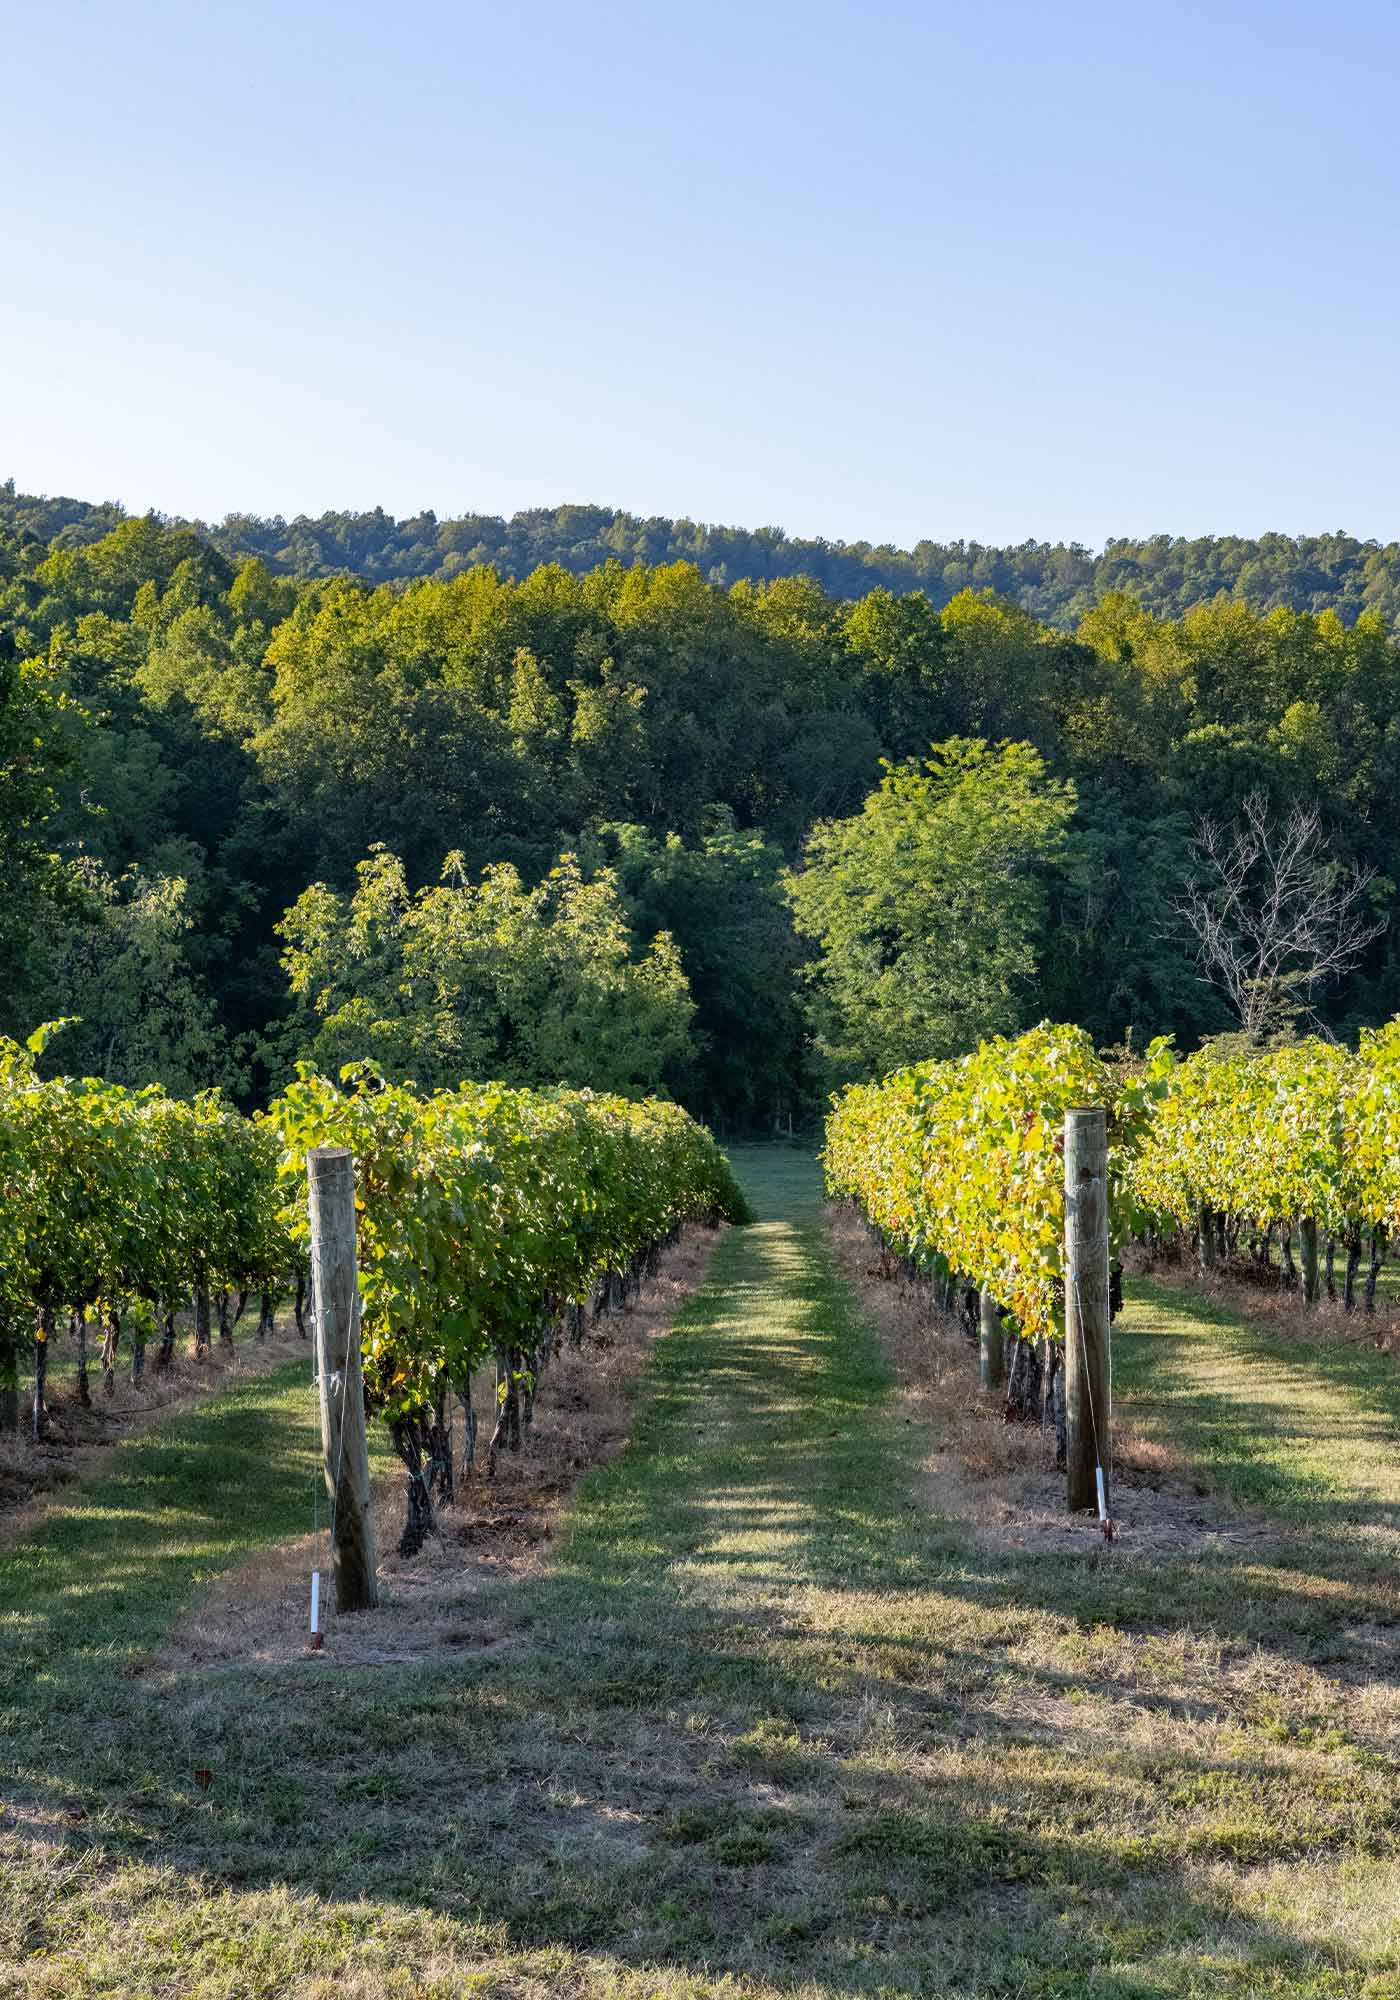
(1258, 1295)
(79, 1438)
(503, 1525)
(999, 1478)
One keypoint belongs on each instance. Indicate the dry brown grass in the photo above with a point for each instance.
(504, 1525)
(997, 1478)
(78, 1442)
(1258, 1297)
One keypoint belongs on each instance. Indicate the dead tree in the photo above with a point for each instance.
(1276, 918)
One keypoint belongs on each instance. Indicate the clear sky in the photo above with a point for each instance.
(988, 270)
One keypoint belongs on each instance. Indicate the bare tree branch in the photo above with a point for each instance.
(1276, 919)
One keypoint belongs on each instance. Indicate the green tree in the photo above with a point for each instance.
(484, 978)
(926, 907)
(112, 953)
(1122, 966)
(900, 644)
(37, 733)
(721, 898)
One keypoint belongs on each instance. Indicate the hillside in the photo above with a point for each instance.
(1055, 581)
(541, 827)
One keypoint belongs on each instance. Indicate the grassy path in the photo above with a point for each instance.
(1310, 1430)
(766, 1726)
(120, 1557)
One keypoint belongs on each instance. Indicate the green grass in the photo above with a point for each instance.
(767, 1725)
(122, 1555)
(1307, 1429)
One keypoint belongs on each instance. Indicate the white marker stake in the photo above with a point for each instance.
(315, 1609)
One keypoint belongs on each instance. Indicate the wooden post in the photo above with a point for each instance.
(330, 1180)
(1087, 1443)
(201, 1321)
(992, 1353)
(1307, 1257)
(1377, 1260)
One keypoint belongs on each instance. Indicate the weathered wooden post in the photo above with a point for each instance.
(991, 1347)
(330, 1179)
(201, 1322)
(1307, 1257)
(1088, 1452)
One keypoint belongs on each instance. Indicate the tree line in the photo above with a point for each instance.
(1055, 581)
(638, 828)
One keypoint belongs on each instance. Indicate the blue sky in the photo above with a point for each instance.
(996, 271)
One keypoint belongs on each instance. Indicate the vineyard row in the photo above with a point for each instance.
(490, 1221)
(957, 1166)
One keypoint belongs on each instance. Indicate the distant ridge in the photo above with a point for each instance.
(1055, 581)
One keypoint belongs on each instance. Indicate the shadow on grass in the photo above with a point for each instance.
(1309, 1430)
(767, 1718)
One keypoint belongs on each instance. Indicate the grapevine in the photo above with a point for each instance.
(958, 1163)
(487, 1218)
(117, 1204)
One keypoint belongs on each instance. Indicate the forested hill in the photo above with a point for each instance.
(1055, 581)
(558, 826)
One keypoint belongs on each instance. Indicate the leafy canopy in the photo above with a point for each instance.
(483, 978)
(925, 906)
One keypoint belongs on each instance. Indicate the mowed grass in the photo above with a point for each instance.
(120, 1556)
(767, 1725)
(1308, 1429)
